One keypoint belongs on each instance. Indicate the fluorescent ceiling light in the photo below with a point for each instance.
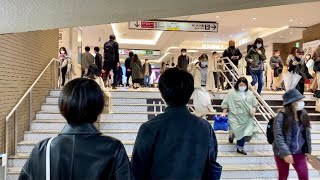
(254, 18)
(291, 20)
(136, 41)
(192, 51)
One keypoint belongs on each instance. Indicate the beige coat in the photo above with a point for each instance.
(196, 73)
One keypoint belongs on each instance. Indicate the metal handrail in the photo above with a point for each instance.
(263, 107)
(28, 92)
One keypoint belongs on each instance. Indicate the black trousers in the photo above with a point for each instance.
(63, 74)
(300, 87)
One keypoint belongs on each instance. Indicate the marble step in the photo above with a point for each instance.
(133, 108)
(224, 146)
(126, 134)
(232, 171)
(144, 116)
(224, 158)
(154, 93)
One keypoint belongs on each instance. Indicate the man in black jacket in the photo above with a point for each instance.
(111, 57)
(175, 144)
(183, 60)
(98, 59)
(127, 64)
(234, 55)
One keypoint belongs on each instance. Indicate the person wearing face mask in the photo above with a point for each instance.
(298, 66)
(202, 75)
(241, 105)
(292, 136)
(183, 60)
(276, 65)
(316, 69)
(310, 65)
(256, 57)
(65, 65)
(234, 55)
(216, 67)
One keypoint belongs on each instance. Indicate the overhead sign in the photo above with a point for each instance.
(168, 25)
(141, 52)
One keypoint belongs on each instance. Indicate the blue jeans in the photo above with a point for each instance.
(257, 77)
(240, 143)
(146, 80)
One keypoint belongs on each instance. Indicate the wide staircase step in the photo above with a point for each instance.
(132, 108)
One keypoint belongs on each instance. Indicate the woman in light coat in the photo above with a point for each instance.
(241, 105)
(65, 65)
(94, 74)
(203, 75)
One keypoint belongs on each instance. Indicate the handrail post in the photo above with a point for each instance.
(30, 108)
(54, 75)
(7, 138)
(15, 131)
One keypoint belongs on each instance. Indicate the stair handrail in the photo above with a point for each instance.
(28, 92)
(263, 107)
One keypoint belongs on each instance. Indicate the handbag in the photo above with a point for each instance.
(256, 68)
(48, 159)
(220, 123)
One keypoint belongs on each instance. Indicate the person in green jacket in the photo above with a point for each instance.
(256, 57)
(241, 105)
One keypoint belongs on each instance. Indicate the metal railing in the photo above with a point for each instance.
(265, 110)
(28, 93)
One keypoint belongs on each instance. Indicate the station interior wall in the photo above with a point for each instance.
(23, 57)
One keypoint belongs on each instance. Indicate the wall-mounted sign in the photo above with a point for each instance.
(140, 52)
(175, 25)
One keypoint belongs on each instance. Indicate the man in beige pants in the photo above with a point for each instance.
(86, 60)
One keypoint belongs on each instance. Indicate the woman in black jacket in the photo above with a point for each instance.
(297, 65)
(80, 151)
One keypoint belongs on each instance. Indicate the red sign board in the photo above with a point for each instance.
(147, 24)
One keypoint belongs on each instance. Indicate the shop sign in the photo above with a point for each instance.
(140, 52)
(175, 25)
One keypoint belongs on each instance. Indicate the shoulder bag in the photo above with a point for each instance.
(48, 159)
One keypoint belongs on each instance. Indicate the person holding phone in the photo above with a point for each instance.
(256, 57)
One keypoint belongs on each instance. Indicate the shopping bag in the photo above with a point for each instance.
(220, 123)
(291, 80)
(202, 102)
(318, 105)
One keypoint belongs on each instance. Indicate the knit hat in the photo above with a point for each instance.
(291, 96)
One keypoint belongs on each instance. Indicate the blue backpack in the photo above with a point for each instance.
(220, 123)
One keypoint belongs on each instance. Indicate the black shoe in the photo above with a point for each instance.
(114, 87)
(241, 152)
(230, 140)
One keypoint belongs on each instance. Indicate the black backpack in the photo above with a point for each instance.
(270, 134)
(109, 49)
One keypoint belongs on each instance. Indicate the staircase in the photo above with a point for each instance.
(131, 108)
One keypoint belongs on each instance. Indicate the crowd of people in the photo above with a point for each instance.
(161, 150)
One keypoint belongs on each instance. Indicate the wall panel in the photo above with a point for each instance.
(22, 58)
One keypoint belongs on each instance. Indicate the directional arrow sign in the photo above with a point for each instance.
(137, 24)
(175, 25)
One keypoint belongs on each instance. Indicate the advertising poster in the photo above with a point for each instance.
(310, 47)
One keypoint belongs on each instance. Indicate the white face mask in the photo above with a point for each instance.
(242, 88)
(184, 53)
(300, 105)
(259, 45)
(62, 52)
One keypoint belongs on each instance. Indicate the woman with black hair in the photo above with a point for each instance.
(292, 136)
(94, 74)
(65, 64)
(136, 67)
(256, 57)
(241, 105)
(298, 66)
(80, 151)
